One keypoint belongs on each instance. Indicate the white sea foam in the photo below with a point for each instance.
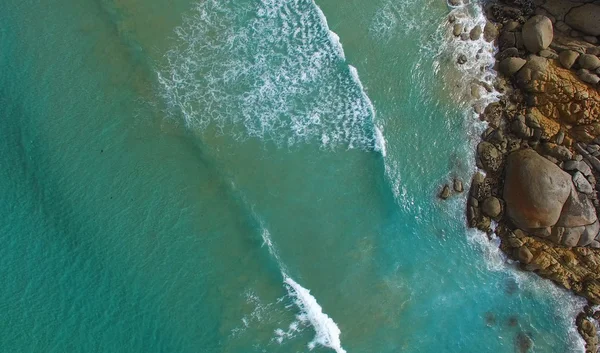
(327, 333)
(477, 70)
(397, 17)
(271, 70)
(380, 141)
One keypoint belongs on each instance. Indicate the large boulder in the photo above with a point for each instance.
(588, 62)
(585, 18)
(511, 66)
(537, 33)
(535, 190)
(582, 184)
(559, 8)
(577, 211)
(568, 58)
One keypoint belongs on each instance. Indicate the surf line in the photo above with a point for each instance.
(327, 333)
(379, 139)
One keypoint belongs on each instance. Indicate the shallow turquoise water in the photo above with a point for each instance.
(167, 166)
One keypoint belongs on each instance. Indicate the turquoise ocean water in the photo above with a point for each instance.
(221, 176)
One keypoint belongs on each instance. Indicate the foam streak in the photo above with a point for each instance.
(266, 69)
(327, 333)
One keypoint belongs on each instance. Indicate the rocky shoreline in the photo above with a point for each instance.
(540, 155)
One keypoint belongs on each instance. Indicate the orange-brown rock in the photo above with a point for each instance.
(577, 269)
(559, 95)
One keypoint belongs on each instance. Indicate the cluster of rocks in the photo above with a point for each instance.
(586, 327)
(541, 152)
(457, 186)
(489, 32)
(523, 47)
(537, 186)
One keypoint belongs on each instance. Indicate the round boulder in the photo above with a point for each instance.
(577, 211)
(535, 190)
(568, 58)
(511, 66)
(588, 77)
(585, 18)
(491, 207)
(537, 33)
(588, 62)
(457, 30)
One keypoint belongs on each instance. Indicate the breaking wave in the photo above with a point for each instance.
(269, 69)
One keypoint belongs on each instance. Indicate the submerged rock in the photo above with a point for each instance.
(445, 194)
(457, 29)
(475, 33)
(458, 185)
(523, 342)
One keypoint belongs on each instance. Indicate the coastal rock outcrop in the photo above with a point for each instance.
(541, 151)
(560, 95)
(577, 269)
